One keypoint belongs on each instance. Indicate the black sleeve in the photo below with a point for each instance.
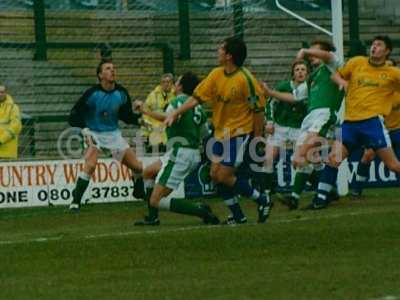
(79, 110)
(125, 112)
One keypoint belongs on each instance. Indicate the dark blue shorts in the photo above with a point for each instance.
(370, 133)
(231, 152)
(395, 139)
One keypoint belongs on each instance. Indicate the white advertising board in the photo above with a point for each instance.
(43, 183)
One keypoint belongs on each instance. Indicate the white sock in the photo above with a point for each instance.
(84, 176)
(255, 195)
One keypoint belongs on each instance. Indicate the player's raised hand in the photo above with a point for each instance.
(267, 90)
(301, 54)
(137, 105)
(343, 86)
(87, 137)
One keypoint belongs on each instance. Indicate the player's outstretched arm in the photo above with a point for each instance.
(141, 107)
(343, 84)
(286, 97)
(325, 56)
(173, 116)
(155, 115)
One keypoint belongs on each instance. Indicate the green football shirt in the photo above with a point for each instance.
(283, 113)
(322, 91)
(186, 131)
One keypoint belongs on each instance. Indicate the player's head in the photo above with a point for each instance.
(186, 83)
(381, 47)
(106, 72)
(300, 70)
(321, 45)
(232, 50)
(3, 92)
(167, 80)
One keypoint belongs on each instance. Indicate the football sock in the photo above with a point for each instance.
(138, 186)
(80, 187)
(269, 181)
(362, 172)
(327, 182)
(266, 179)
(153, 211)
(243, 187)
(230, 201)
(315, 174)
(234, 207)
(300, 180)
(182, 206)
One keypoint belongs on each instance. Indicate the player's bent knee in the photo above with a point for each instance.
(154, 203)
(90, 167)
(148, 174)
(216, 177)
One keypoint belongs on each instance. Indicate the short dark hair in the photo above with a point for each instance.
(300, 62)
(325, 45)
(99, 68)
(387, 40)
(237, 48)
(189, 81)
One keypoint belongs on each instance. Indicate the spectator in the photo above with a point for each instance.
(10, 125)
(157, 101)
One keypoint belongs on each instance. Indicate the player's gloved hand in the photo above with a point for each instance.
(270, 128)
(137, 105)
(87, 137)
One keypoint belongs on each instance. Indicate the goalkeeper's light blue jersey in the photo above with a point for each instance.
(100, 110)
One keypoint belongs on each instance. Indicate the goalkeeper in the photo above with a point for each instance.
(98, 111)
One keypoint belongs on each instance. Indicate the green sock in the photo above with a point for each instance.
(80, 188)
(182, 206)
(300, 180)
(153, 211)
(314, 177)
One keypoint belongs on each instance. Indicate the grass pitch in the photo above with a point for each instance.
(349, 251)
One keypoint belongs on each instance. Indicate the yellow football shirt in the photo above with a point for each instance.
(392, 121)
(234, 99)
(370, 89)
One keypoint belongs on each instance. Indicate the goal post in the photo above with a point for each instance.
(337, 23)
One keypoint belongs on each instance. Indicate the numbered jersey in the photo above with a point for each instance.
(323, 92)
(185, 132)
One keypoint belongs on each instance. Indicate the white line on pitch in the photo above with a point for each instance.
(182, 229)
